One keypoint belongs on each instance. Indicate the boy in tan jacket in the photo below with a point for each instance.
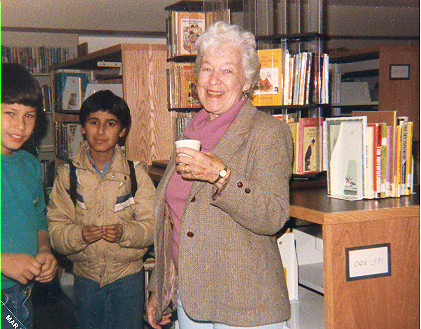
(107, 231)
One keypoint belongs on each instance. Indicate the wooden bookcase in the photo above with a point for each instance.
(143, 77)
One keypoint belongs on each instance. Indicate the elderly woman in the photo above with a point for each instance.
(217, 210)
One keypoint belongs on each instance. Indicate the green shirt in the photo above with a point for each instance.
(22, 206)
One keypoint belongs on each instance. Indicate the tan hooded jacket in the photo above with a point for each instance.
(102, 201)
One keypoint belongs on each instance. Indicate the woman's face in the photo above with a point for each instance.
(221, 81)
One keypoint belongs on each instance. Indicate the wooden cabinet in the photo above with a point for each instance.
(143, 75)
(374, 302)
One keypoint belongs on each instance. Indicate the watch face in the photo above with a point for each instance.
(222, 173)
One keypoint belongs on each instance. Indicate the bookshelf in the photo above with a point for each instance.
(185, 22)
(140, 68)
(37, 60)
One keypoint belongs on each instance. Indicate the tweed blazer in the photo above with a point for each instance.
(230, 270)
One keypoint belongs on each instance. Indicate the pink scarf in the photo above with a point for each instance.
(209, 133)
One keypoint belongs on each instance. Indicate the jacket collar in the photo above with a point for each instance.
(81, 160)
(233, 138)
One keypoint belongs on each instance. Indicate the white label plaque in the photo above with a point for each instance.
(367, 261)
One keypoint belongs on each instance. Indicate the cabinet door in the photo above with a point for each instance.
(145, 91)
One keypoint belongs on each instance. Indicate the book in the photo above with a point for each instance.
(409, 160)
(390, 118)
(189, 25)
(69, 98)
(286, 246)
(403, 122)
(369, 169)
(389, 160)
(269, 89)
(293, 126)
(188, 88)
(46, 98)
(383, 129)
(346, 157)
(309, 145)
(398, 162)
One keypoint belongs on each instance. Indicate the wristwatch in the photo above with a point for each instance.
(222, 174)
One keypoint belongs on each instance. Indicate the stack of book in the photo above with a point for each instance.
(183, 29)
(36, 59)
(292, 79)
(68, 139)
(181, 122)
(307, 136)
(369, 155)
(182, 88)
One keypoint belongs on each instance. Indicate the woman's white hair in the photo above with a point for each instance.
(220, 33)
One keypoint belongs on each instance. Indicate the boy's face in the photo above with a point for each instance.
(17, 125)
(102, 131)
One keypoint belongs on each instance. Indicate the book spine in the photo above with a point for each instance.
(383, 159)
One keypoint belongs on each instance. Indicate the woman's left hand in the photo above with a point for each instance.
(197, 165)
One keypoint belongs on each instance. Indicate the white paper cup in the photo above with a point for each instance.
(192, 143)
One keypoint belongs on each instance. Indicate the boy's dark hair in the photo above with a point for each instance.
(19, 86)
(105, 100)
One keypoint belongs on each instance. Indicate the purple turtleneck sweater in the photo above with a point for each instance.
(209, 133)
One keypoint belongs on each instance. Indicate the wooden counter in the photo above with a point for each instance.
(376, 302)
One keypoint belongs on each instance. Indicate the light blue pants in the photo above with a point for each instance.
(185, 322)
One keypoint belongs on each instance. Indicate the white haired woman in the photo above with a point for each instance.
(218, 210)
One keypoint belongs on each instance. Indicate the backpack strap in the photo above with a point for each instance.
(133, 180)
(73, 183)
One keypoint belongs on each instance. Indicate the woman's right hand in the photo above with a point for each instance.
(150, 313)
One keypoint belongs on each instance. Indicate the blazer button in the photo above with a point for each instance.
(193, 199)
(240, 184)
(190, 234)
(247, 190)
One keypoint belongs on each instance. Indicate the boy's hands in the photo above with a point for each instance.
(110, 233)
(92, 233)
(48, 266)
(20, 267)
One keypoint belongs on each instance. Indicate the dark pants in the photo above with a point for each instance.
(16, 307)
(116, 305)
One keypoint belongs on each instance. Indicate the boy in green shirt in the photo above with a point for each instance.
(25, 247)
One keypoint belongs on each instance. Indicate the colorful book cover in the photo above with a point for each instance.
(189, 26)
(269, 90)
(188, 87)
(309, 141)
